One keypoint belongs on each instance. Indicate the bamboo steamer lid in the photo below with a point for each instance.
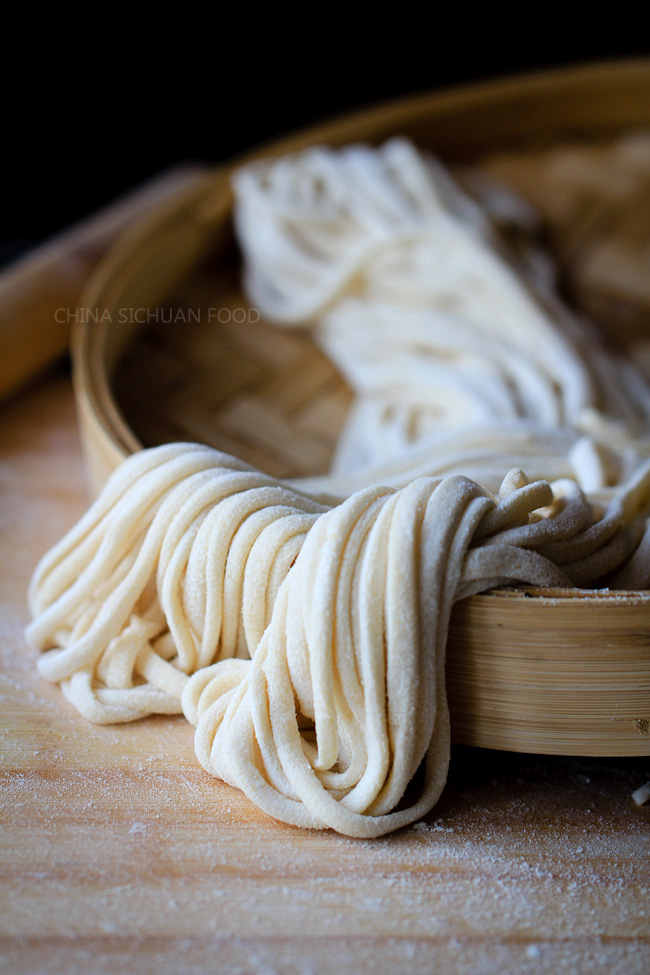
(166, 348)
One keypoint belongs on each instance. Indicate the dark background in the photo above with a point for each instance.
(93, 131)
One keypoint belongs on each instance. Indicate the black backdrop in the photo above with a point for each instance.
(92, 131)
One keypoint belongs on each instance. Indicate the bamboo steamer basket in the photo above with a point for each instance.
(557, 672)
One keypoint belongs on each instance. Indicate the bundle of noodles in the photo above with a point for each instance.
(301, 626)
(306, 642)
(404, 283)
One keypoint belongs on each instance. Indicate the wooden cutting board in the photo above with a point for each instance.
(119, 854)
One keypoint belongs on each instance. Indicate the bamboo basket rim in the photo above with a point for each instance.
(538, 83)
(88, 339)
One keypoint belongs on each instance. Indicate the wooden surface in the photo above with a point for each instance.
(119, 854)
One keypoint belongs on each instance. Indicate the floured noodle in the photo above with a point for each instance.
(301, 626)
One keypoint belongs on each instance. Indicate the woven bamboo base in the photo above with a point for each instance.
(264, 394)
(565, 672)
